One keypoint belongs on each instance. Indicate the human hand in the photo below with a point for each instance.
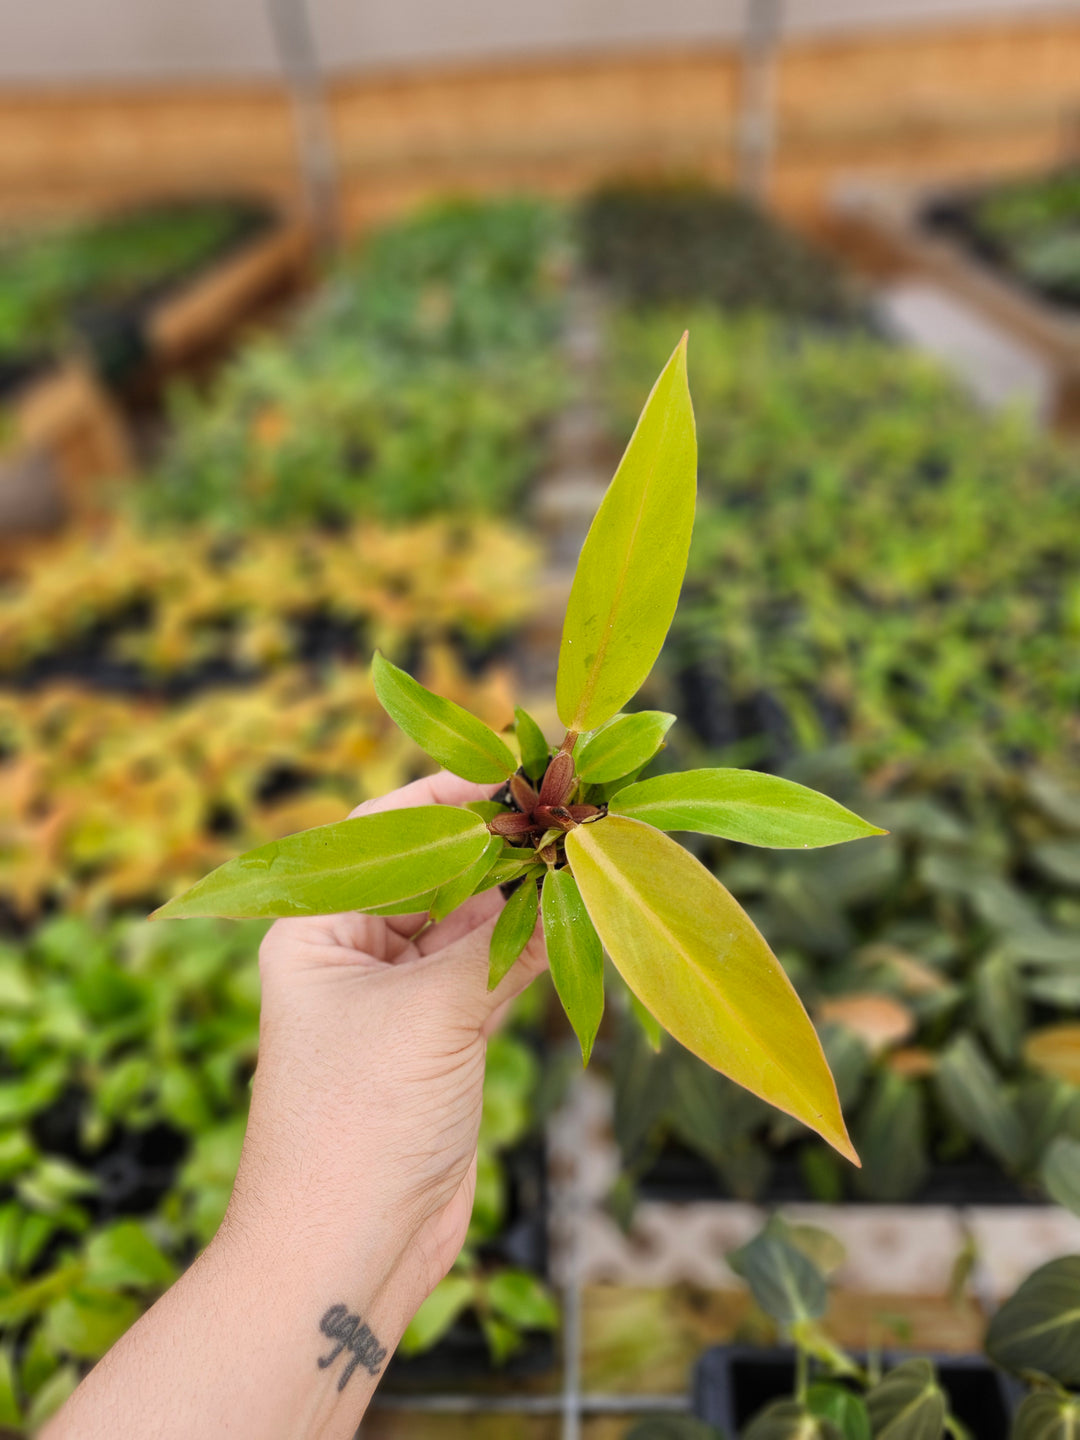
(366, 1103)
(355, 1185)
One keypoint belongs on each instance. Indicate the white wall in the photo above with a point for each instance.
(80, 40)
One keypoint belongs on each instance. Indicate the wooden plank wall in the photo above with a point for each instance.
(917, 102)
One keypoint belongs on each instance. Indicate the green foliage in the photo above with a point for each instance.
(872, 557)
(908, 1404)
(417, 384)
(784, 1281)
(575, 955)
(1037, 1330)
(446, 732)
(513, 930)
(1043, 1415)
(683, 241)
(49, 277)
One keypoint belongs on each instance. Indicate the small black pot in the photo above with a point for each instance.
(733, 1383)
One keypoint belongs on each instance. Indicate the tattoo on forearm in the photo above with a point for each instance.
(353, 1335)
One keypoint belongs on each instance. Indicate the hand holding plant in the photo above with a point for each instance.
(576, 833)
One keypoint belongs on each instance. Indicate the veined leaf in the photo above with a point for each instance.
(358, 864)
(1045, 1415)
(446, 732)
(973, 1094)
(790, 1420)
(1038, 1328)
(742, 805)
(696, 961)
(512, 930)
(535, 750)
(785, 1282)
(575, 956)
(842, 1407)
(625, 743)
(632, 564)
(908, 1404)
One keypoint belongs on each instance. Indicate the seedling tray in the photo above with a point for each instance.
(732, 1383)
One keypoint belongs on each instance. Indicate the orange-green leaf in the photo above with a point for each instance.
(365, 863)
(632, 564)
(696, 961)
(1055, 1050)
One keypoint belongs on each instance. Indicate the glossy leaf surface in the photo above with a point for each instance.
(358, 864)
(846, 1410)
(697, 963)
(624, 744)
(742, 805)
(515, 925)
(455, 892)
(1038, 1328)
(908, 1404)
(631, 566)
(457, 740)
(575, 956)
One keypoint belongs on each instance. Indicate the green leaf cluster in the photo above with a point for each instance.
(580, 825)
(417, 382)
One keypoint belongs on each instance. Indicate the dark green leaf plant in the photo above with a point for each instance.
(574, 831)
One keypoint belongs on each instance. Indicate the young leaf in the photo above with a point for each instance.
(908, 1404)
(742, 805)
(575, 956)
(624, 744)
(1038, 1328)
(358, 864)
(785, 1282)
(522, 1299)
(535, 750)
(632, 564)
(696, 961)
(512, 930)
(457, 740)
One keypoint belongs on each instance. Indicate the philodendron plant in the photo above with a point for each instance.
(573, 834)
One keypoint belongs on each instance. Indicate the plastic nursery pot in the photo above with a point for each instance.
(733, 1383)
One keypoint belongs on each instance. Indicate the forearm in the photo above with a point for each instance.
(261, 1337)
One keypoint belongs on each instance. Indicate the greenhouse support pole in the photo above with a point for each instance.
(756, 126)
(299, 59)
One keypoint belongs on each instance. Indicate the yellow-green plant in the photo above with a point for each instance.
(575, 831)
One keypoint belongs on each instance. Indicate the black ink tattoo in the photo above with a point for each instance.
(352, 1335)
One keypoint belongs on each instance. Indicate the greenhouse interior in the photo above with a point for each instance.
(540, 720)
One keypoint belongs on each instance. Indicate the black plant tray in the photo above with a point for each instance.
(732, 1383)
(681, 1176)
(954, 217)
(462, 1355)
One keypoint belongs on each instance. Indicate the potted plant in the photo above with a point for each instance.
(573, 833)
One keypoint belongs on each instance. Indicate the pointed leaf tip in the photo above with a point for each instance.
(697, 962)
(459, 741)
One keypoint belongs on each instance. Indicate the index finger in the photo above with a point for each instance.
(439, 789)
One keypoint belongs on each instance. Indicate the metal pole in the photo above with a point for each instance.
(299, 58)
(756, 126)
